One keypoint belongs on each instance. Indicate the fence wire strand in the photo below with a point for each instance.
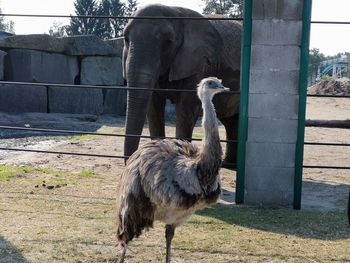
(125, 17)
(99, 133)
(101, 87)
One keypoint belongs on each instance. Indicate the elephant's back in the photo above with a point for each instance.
(231, 34)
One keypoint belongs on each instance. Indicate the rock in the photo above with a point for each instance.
(36, 66)
(117, 44)
(105, 71)
(86, 45)
(75, 100)
(115, 101)
(4, 34)
(40, 42)
(19, 98)
(2, 64)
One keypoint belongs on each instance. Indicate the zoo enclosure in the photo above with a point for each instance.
(57, 131)
(299, 166)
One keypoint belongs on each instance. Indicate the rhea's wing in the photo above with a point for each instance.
(168, 172)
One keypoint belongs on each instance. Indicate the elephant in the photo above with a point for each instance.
(176, 54)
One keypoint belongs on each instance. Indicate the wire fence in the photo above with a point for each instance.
(125, 17)
(323, 124)
(59, 85)
(143, 89)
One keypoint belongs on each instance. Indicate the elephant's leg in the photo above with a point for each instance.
(187, 112)
(155, 116)
(231, 127)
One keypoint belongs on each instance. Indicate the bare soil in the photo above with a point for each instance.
(75, 221)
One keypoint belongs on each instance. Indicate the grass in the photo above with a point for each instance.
(197, 135)
(76, 223)
(80, 137)
(8, 172)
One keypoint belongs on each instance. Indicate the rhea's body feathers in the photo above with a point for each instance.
(168, 180)
(171, 179)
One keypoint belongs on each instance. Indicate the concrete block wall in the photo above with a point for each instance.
(273, 102)
(84, 60)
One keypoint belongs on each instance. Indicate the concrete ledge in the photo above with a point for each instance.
(20, 99)
(278, 155)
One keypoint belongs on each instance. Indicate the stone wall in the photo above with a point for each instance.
(78, 60)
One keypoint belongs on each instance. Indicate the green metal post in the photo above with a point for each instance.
(243, 108)
(304, 58)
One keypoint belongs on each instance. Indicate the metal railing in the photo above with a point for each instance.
(299, 155)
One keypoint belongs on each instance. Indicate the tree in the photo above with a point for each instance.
(315, 59)
(230, 8)
(130, 7)
(102, 27)
(83, 26)
(57, 29)
(116, 8)
(6, 26)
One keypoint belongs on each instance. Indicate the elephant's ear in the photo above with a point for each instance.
(202, 45)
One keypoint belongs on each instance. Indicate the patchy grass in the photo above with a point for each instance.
(7, 172)
(196, 135)
(11, 172)
(80, 137)
(86, 173)
(76, 223)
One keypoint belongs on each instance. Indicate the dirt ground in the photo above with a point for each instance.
(324, 189)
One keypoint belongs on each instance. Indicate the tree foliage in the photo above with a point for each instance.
(230, 8)
(6, 26)
(57, 29)
(102, 27)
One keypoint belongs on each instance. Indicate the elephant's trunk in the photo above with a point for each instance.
(137, 106)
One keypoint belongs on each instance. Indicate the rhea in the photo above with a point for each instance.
(168, 180)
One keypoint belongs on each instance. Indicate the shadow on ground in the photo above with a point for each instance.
(9, 254)
(327, 220)
(318, 195)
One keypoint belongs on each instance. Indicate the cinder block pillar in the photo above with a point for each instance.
(273, 102)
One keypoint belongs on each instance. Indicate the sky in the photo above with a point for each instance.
(330, 39)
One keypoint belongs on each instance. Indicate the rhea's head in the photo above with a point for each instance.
(210, 86)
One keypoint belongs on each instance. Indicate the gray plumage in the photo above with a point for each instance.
(168, 180)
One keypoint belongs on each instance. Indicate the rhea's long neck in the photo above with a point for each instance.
(211, 152)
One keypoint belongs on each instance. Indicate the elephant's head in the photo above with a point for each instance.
(169, 48)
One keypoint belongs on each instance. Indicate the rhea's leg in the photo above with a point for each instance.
(169, 234)
(122, 252)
